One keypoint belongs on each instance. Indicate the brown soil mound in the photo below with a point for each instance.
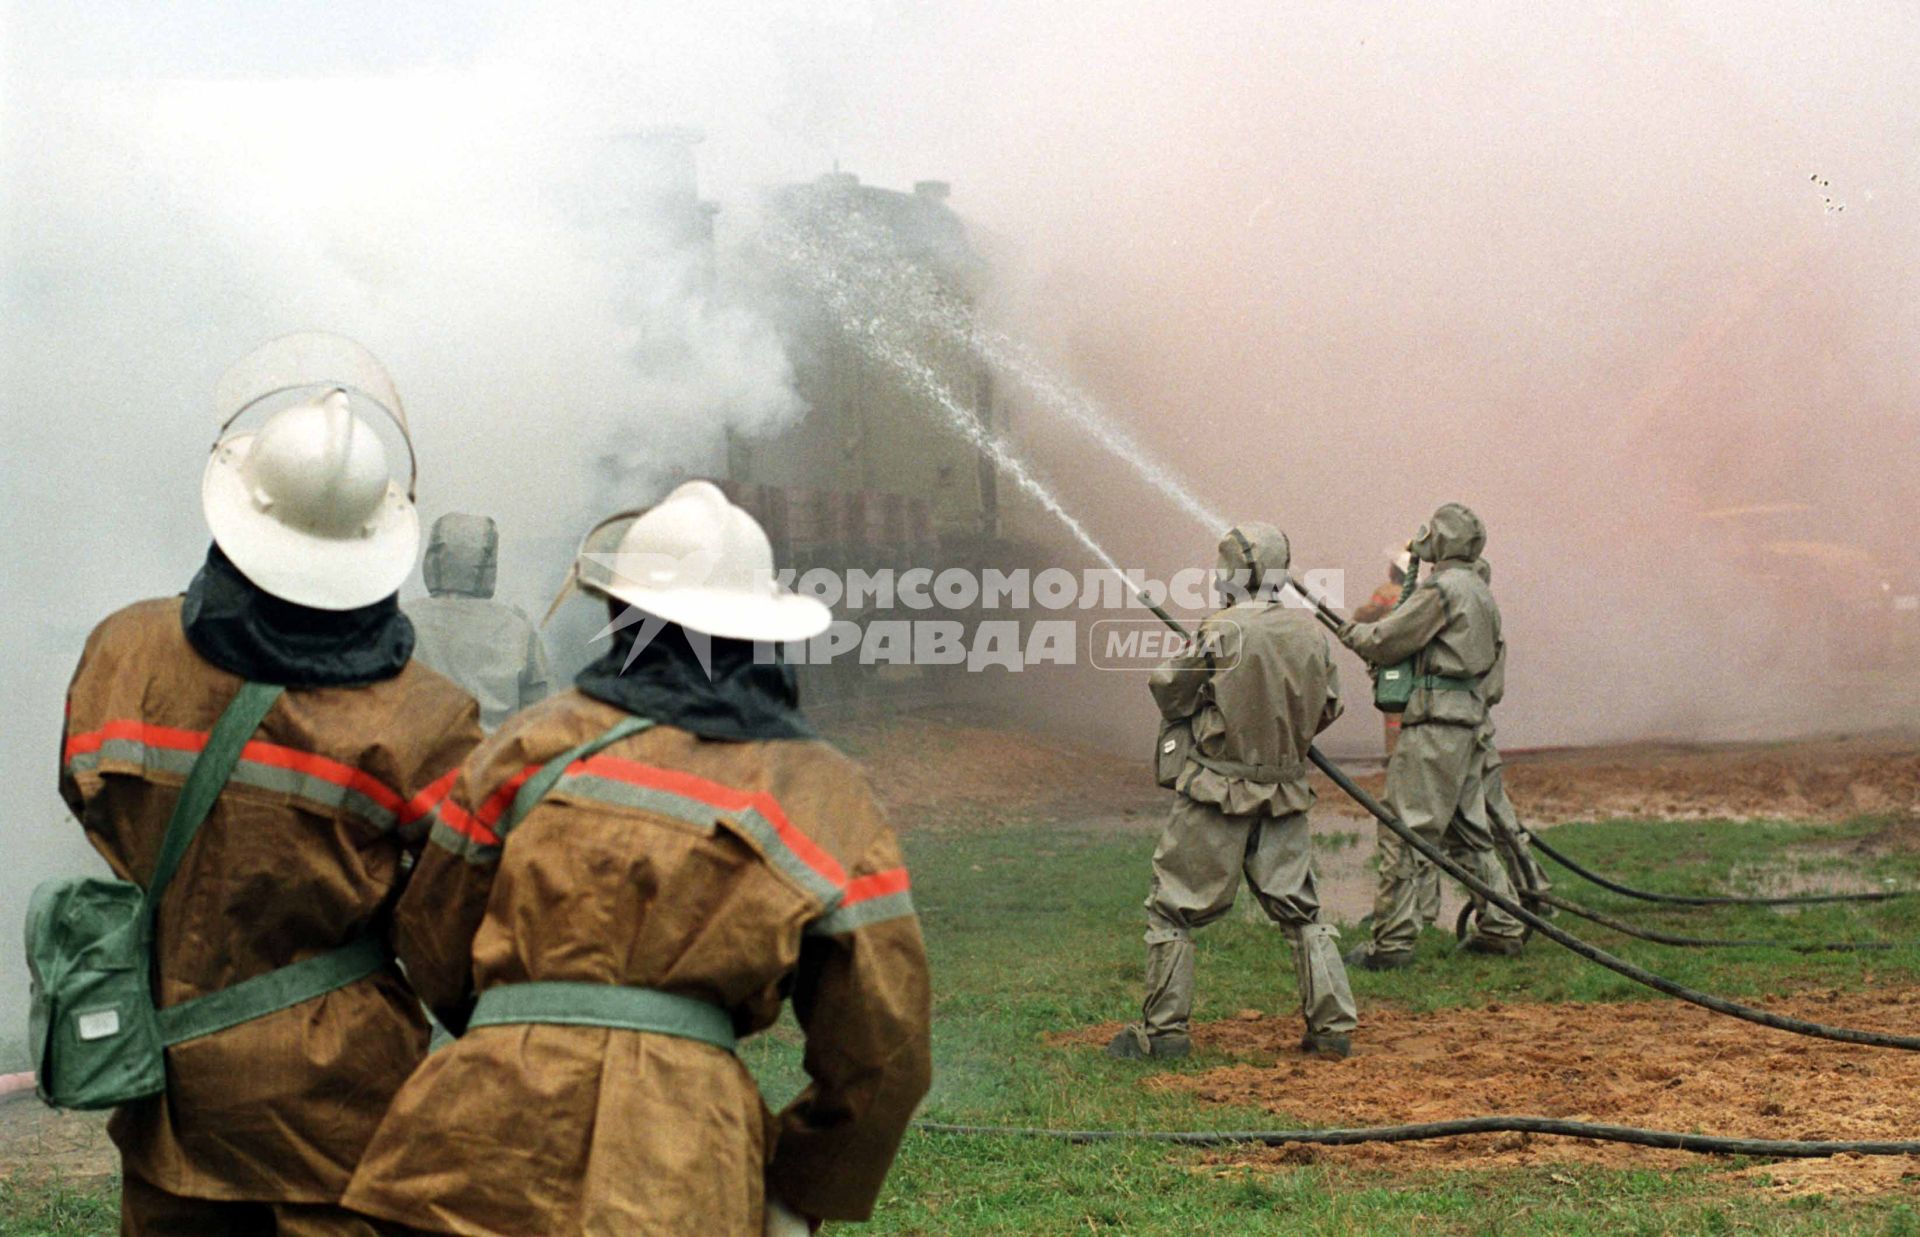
(1654, 1064)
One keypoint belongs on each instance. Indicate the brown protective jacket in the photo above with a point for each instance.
(737, 873)
(301, 852)
(1259, 685)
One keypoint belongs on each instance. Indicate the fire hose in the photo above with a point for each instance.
(1520, 872)
(1332, 622)
(1681, 899)
(1706, 1144)
(1593, 953)
(1464, 927)
(1702, 1143)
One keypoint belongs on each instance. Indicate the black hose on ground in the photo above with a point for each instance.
(1709, 1144)
(1593, 953)
(1700, 942)
(1680, 899)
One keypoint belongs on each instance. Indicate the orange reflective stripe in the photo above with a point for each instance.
(869, 900)
(272, 766)
(879, 885)
(721, 798)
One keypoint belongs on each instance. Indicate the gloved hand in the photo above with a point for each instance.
(782, 1221)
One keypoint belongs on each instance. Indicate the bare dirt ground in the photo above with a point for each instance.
(37, 1143)
(1821, 779)
(945, 767)
(1658, 1065)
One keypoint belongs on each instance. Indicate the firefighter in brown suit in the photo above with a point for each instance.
(261, 1124)
(653, 862)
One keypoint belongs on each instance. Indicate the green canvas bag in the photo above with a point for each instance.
(96, 1038)
(1393, 685)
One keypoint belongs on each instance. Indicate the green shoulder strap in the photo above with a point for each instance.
(208, 777)
(536, 787)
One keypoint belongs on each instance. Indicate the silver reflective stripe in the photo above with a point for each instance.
(447, 837)
(761, 830)
(644, 798)
(675, 806)
(317, 791)
(862, 914)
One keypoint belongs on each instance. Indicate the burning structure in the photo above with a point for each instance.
(860, 473)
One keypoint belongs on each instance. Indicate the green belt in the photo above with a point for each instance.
(280, 988)
(1441, 683)
(606, 1005)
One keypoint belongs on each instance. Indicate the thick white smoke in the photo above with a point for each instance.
(1583, 267)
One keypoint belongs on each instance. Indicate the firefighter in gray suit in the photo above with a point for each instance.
(1255, 689)
(1450, 628)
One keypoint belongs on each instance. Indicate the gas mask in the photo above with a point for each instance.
(1420, 545)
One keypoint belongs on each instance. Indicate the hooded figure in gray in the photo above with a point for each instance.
(1450, 629)
(488, 648)
(1256, 687)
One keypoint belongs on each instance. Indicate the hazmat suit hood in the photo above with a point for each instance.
(463, 556)
(1251, 557)
(733, 696)
(1454, 532)
(245, 630)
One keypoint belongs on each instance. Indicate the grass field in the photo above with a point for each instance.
(1035, 929)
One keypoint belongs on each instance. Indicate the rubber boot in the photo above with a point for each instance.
(1331, 1045)
(1326, 999)
(1366, 959)
(1169, 1002)
(1134, 1044)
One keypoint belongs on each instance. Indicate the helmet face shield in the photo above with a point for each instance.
(307, 365)
(305, 504)
(592, 568)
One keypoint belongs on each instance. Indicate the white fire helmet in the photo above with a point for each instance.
(697, 560)
(306, 506)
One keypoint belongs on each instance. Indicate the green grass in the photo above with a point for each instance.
(58, 1209)
(1035, 928)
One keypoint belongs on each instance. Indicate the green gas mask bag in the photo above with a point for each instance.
(93, 1029)
(1393, 685)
